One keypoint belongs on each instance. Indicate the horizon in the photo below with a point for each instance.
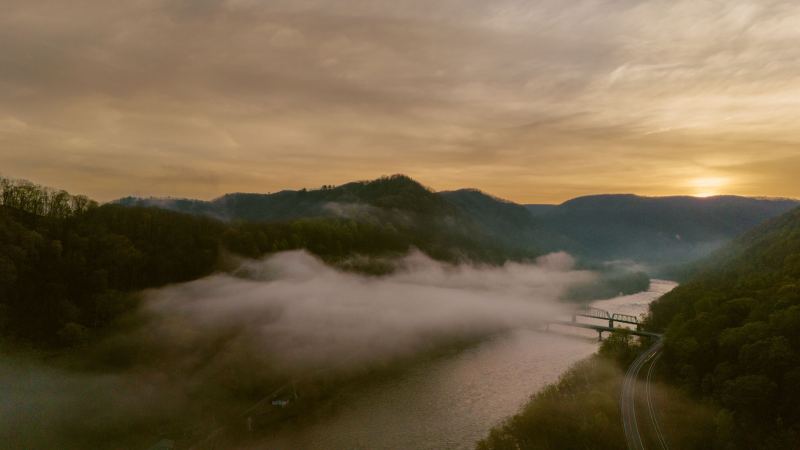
(449, 224)
(467, 188)
(536, 103)
(701, 192)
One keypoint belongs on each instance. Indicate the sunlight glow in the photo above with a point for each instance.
(708, 186)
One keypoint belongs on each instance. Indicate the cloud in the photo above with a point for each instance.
(270, 95)
(299, 314)
(215, 346)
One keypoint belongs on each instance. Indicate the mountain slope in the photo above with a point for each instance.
(733, 335)
(69, 267)
(655, 230)
(396, 192)
(505, 221)
(456, 219)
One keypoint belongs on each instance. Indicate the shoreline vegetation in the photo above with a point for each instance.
(731, 336)
(581, 409)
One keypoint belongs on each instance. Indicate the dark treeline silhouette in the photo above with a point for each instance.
(62, 276)
(26, 196)
(69, 267)
(663, 233)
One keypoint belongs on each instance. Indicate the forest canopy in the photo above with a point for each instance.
(733, 336)
(69, 267)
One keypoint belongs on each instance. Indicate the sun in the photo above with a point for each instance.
(708, 186)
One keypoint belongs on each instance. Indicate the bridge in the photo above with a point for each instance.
(595, 313)
(601, 314)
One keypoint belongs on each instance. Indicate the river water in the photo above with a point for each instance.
(451, 403)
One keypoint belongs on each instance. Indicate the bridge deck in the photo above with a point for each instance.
(601, 328)
(621, 318)
(597, 313)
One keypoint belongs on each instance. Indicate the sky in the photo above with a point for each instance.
(533, 101)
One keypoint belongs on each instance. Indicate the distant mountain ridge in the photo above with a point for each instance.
(656, 231)
(394, 192)
(397, 201)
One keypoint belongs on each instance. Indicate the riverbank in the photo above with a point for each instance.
(582, 409)
(449, 403)
(579, 411)
(454, 402)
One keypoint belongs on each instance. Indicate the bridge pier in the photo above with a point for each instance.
(599, 336)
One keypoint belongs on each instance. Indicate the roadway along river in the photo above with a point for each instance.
(452, 403)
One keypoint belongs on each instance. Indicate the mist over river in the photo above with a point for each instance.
(197, 362)
(454, 402)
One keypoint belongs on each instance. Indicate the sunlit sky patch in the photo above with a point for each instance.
(710, 186)
(533, 101)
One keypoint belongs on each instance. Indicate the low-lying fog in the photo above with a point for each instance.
(212, 347)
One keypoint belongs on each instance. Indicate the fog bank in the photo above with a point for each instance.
(213, 347)
(301, 314)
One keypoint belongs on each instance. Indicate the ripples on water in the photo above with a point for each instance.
(452, 403)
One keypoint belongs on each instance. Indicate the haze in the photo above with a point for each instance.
(196, 347)
(532, 101)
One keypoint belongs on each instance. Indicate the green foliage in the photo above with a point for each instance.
(396, 192)
(62, 276)
(26, 196)
(394, 213)
(69, 267)
(733, 335)
(621, 347)
(506, 222)
(580, 411)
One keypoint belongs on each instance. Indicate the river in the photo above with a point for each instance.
(451, 403)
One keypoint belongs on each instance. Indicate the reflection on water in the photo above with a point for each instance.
(454, 402)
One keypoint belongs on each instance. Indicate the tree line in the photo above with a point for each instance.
(26, 196)
(70, 267)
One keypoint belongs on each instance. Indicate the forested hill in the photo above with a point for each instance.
(507, 222)
(733, 336)
(398, 200)
(658, 231)
(69, 267)
(397, 192)
(655, 230)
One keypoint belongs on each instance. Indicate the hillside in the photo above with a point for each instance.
(505, 221)
(463, 219)
(656, 231)
(733, 335)
(69, 266)
(659, 232)
(397, 192)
